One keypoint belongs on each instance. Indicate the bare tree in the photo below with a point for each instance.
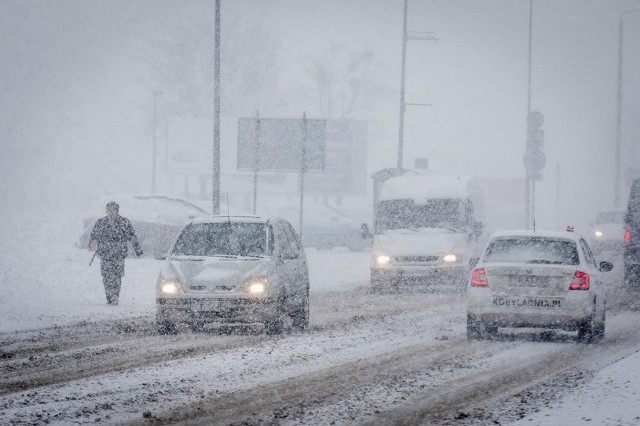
(343, 82)
(182, 66)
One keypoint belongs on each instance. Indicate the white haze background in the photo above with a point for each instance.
(77, 81)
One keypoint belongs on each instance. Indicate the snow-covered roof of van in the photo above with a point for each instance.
(425, 186)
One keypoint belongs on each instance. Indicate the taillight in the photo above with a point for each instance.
(580, 281)
(479, 278)
(627, 236)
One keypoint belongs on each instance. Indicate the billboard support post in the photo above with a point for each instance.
(303, 167)
(256, 163)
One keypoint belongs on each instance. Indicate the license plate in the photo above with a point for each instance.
(520, 302)
(206, 305)
(529, 281)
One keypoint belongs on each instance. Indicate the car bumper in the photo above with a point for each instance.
(566, 313)
(215, 310)
(421, 275)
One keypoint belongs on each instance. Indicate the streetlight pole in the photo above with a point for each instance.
(155, 141)
(529, 182)
(618, 152)
(414, 35)
(215, 189)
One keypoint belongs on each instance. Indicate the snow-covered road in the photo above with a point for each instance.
(367, 358)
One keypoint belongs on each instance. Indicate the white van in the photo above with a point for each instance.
(426, 231)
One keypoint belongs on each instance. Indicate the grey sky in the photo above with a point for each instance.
(77, 111)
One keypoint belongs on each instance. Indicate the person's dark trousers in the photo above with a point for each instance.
(112, 272)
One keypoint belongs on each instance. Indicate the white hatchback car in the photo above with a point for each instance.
(537, 279)
(234, 270)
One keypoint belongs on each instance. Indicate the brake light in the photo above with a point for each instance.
(580, 281)
(627, 235)
(479, 278)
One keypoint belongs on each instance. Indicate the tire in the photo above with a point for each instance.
(273, 325)
(300, 316)
(599, 329)
(587, 331)
(165, 327)
(477, 330)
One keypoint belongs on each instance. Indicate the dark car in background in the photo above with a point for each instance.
(632, 238)
(156, 219)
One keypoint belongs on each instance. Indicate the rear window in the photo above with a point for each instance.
(222, 239)
(532, 250)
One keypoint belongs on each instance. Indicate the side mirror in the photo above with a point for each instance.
(365, 233)
(473, 262)
(288, 255)
(606, 266)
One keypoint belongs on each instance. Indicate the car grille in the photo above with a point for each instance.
(416, 259)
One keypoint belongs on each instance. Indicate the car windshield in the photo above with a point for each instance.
(406, 214)
(532, 250)
(222, 239)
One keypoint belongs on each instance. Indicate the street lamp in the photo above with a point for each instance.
(413, 35)
(155, 144)
(617, 165)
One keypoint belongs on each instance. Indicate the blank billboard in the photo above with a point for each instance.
(276, 144)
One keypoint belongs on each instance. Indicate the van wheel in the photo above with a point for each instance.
(166, 327)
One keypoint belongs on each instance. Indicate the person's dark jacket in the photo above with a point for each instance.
(112, 236)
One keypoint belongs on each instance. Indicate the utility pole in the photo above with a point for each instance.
(414, 35)
(528, 180)
(155, 141)
(618, 153)
(216, 115)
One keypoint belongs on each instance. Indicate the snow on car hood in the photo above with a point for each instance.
(213, 272)
(423, 241)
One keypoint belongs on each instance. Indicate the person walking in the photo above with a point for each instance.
(109, 238)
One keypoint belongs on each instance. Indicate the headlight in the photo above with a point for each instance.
(598, 233)
(256, 285)
(169, 286)
(382, 259)
(450, 258)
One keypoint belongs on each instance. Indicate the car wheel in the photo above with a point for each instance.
(273, 324)
(587, 331)
(599, 329)
(165, 327)
(300, 313)
(477, 330)
(300, 317)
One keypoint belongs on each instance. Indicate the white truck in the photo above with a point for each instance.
(426, 231)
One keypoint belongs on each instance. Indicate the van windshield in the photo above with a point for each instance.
(406, 214)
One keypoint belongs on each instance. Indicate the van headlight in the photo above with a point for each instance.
(598, 233)
(381, 259)
(170, 286)
(450, 258)
(257, 285)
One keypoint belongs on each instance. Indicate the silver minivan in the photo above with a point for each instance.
(244, 270)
